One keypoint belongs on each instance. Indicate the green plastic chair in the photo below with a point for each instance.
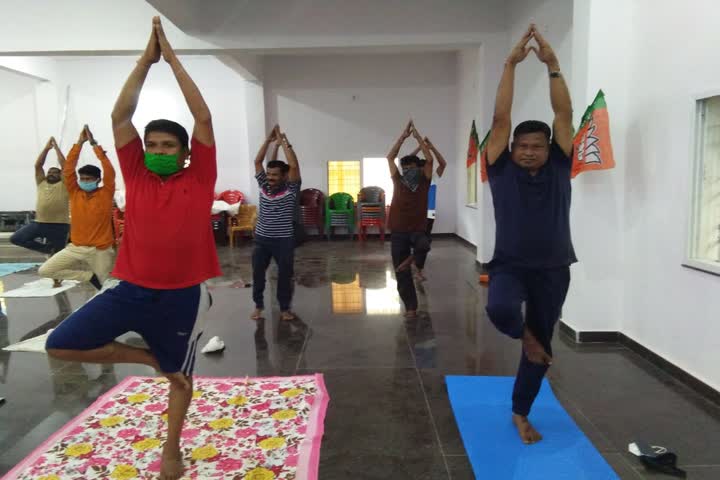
(339, 212)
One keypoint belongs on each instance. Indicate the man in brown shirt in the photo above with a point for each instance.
(49, 232)
(408, 212)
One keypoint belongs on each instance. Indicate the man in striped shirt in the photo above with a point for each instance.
(274, 233)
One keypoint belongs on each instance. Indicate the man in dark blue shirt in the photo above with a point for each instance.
(530, 184)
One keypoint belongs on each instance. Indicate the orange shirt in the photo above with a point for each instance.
(90, 212)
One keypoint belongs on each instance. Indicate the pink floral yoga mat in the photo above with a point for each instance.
(237, 428)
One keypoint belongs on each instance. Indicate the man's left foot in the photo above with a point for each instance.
(527, 432)
(287, 316)
(420, 276)
(172, 467)
(405, 264)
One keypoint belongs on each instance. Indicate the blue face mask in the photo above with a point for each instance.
(88, 186)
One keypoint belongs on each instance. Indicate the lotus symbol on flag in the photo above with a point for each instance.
(589, 148)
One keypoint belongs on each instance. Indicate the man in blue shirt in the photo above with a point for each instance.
(530, 185)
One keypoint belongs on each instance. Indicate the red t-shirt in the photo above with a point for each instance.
(167, 241)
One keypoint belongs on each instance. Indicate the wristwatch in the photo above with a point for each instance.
(555, 74)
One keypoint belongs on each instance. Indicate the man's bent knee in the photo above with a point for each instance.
(507, 318)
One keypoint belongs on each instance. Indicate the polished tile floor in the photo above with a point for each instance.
(389, 415)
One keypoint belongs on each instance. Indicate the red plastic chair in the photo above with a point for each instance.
(231, 197)
(312, 204)
(118, 220)
(371, 211)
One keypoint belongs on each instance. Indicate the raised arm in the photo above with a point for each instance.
(58, 153)
(203, 130)
(262, 153)
(276, 145)
(70, 168)
(502, 122)
(396, 148)
(294, 172)
(438, 156)
(107, 168)
(428, 167)
(559, 95)
(40, 162)
(123, 129)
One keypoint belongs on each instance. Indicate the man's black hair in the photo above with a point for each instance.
(90, 170)
(168, 126)
(408, 159)
(533, 126)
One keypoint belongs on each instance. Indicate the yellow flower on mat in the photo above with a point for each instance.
(285, 414)
(124, 472)
(138, 398)
(78, 449)
(112, 421)
(238, 401)
(146, 444)
(197, 394)
(272, 443)
(259, 473)
(221, 423)
(50, 477)
(293, 392)
(203, 453)
(164, 416)
(160, 380)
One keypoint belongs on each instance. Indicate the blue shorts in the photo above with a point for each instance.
(170, 322)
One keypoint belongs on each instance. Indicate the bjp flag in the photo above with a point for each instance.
(483, 158)
(471, 165)
(592, 149)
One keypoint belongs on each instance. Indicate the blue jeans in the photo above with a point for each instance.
(55, 235)
(283, 251)
(543, 291)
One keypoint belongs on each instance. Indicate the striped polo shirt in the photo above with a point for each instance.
(277, 209)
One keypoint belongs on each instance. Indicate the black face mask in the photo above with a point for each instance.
(411, 177)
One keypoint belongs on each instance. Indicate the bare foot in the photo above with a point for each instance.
(527, 432)
(57, 283)
(172, 467)
(405, 264)
(533, 350)
(257, 314)
(287, 316)
(411, 314)
(420, 276)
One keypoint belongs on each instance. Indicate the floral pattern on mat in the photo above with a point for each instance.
(240, 429)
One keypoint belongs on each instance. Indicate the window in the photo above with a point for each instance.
(344, 176)
(375, 173)
(704, 245)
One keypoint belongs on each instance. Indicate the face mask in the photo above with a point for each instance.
(88, 186)
(411, 177)
(161, 164)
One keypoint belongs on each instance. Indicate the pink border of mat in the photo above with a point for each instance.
(309, 460)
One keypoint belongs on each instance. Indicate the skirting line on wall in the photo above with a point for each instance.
(617, 337)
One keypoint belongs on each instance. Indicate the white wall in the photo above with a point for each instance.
(19, 141)
(96, 81)
(353, 106)
(669, 309)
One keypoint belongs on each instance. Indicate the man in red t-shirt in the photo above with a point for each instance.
(167, 250)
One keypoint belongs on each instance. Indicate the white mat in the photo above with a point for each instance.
(39, 288)
(36, 344)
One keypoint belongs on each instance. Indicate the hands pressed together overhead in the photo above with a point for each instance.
(543, 50)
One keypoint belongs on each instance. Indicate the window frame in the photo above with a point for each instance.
(692, 260)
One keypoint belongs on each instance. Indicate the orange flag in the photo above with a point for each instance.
(592, 149)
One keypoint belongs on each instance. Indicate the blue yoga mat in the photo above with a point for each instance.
(482, 408)
(8, 268)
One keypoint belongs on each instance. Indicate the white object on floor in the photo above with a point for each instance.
(219, 206)
(36, 344)
(213, 345)
(39, 288)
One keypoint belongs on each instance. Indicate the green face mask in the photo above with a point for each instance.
(161, 164)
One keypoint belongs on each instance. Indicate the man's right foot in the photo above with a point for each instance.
(533, 350)
(527, 432)
(405, 264)
(420, 276)
(411, 314)
(95, 281)
(257, 314)
(57, 283)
